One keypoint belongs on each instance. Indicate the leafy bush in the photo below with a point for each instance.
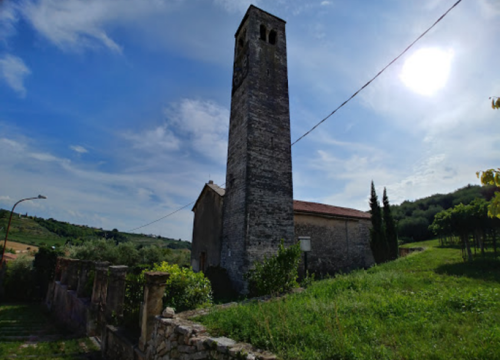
(18, 281)
(45, 267)
(8, 250)
(185, 290)
(126, 253)
(277, 274)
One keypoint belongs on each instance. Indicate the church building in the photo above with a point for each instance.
(339, 237)
(245, 222)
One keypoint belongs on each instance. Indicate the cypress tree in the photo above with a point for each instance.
(377, 238)
(390, 229)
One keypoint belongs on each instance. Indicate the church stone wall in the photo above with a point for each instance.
(336, 244)
(207, 230)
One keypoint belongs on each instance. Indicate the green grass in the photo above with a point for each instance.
(28, 231)
(26, 332)
(429, 305)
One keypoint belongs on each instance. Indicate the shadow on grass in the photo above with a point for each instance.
(485, 268)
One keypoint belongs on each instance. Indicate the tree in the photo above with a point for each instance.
(378, 243)
(390, 229)
(492, 177)
(495, 104)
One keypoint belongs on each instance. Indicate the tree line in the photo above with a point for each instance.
(413, 218)
(470, 225)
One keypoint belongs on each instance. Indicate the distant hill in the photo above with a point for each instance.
(414, 217)
(38, 231)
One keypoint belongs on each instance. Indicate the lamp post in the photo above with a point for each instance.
(10, 219)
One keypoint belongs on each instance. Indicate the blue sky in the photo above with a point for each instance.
(118, 110)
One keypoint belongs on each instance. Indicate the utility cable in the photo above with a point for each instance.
(163, 217)
(378, 74)
(340, 106)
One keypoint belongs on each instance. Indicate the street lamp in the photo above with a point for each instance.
(10, 219)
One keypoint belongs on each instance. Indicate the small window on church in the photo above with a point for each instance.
(272, 37)
(263, 32)
(240, 42)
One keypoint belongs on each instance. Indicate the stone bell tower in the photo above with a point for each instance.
(258, 203)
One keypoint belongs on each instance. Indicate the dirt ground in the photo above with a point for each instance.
(20, 248)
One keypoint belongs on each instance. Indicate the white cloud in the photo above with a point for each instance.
(190, 126)
(236, 5)
(8, 18)
(82, 194)
(13, 71)
(79, 149)
(158, 139)
(204, 123)
(81, 24)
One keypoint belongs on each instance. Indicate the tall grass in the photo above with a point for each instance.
(428, 305)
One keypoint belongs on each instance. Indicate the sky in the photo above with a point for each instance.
(118, 110)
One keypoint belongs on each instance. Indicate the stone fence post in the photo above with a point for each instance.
(100, 287)
(63, 268)
(72, 273)
(85, 269)
(153, 304)
(57, 275)
(116, 291)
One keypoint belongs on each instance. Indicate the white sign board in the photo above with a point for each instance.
(305, 243)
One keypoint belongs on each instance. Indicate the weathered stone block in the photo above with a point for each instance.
(168, 313)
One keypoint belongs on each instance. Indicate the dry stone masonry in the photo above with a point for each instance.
(163, 334)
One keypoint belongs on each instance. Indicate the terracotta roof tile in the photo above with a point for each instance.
(315, 208)
(305, 206)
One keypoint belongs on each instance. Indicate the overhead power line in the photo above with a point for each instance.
(378, 74)
(163, 217)
(341, 105)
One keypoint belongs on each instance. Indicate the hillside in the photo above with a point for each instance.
(38, 231)
(429, 305)
(414, 217)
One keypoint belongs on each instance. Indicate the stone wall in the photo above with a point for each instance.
(178, 338)
(337, 244)
(169, 336)
(207, 228)
(81, 306)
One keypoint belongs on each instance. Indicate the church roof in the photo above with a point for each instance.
(214, 187)
(302, 206)
(330, 210)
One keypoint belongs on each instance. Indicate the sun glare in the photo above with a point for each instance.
(427, 70)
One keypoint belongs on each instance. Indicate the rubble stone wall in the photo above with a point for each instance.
(180, 338)
(336, 244)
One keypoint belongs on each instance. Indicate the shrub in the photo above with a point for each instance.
(18, 281)
(45, 268)
(277, 274)
(185, 290)
(126, 253)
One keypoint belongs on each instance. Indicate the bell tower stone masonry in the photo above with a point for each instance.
(258, 203)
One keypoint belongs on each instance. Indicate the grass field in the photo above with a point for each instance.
(27, 333)
(29, 231)
(429, 305)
